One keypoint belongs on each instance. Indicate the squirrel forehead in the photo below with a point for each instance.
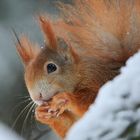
(47, 55)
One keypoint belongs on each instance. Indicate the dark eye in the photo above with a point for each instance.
(51, 67)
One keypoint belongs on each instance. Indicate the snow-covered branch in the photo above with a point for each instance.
(115, 115)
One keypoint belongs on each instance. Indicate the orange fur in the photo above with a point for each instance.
(26, 50)
(101, 35)
(47, 29)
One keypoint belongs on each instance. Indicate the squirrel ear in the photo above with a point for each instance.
(48, 32)
(67, 50)
(26, 50)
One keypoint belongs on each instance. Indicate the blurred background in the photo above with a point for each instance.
(14, 108)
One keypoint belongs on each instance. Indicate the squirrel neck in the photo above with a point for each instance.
(94, 73)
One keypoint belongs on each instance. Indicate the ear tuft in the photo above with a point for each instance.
(26, 50)
(48, 32)
(73, 54)
(68, 50)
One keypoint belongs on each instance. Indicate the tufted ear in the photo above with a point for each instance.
(67, 50)
(26, 49)
(48, 32)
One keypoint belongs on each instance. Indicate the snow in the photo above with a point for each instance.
(7, 134)
(115, 115)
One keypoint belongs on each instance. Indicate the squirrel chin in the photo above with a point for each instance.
(39, 102)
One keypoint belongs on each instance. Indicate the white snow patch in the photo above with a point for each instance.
(7, 134)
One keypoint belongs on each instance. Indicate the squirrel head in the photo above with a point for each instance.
(51, 69)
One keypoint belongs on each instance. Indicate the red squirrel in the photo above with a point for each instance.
(85, 47)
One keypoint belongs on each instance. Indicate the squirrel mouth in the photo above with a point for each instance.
(42, 101)
(48, 100)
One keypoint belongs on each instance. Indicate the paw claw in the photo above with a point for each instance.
(50, 110)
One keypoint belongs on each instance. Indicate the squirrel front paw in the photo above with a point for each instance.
(43, 115)
(47, 112)
(59, 103)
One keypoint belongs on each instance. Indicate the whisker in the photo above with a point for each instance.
(32, 120)
(16, 36)
(27, 115)
(18, 98)
(20, 103)
(22, 111)
(22, 96)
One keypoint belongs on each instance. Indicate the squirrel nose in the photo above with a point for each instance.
(39, 99)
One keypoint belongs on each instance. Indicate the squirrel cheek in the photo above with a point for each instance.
(42, 91)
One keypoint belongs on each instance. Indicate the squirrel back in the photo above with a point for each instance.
(107, 29)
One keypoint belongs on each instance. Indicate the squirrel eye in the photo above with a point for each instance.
(51, 68)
